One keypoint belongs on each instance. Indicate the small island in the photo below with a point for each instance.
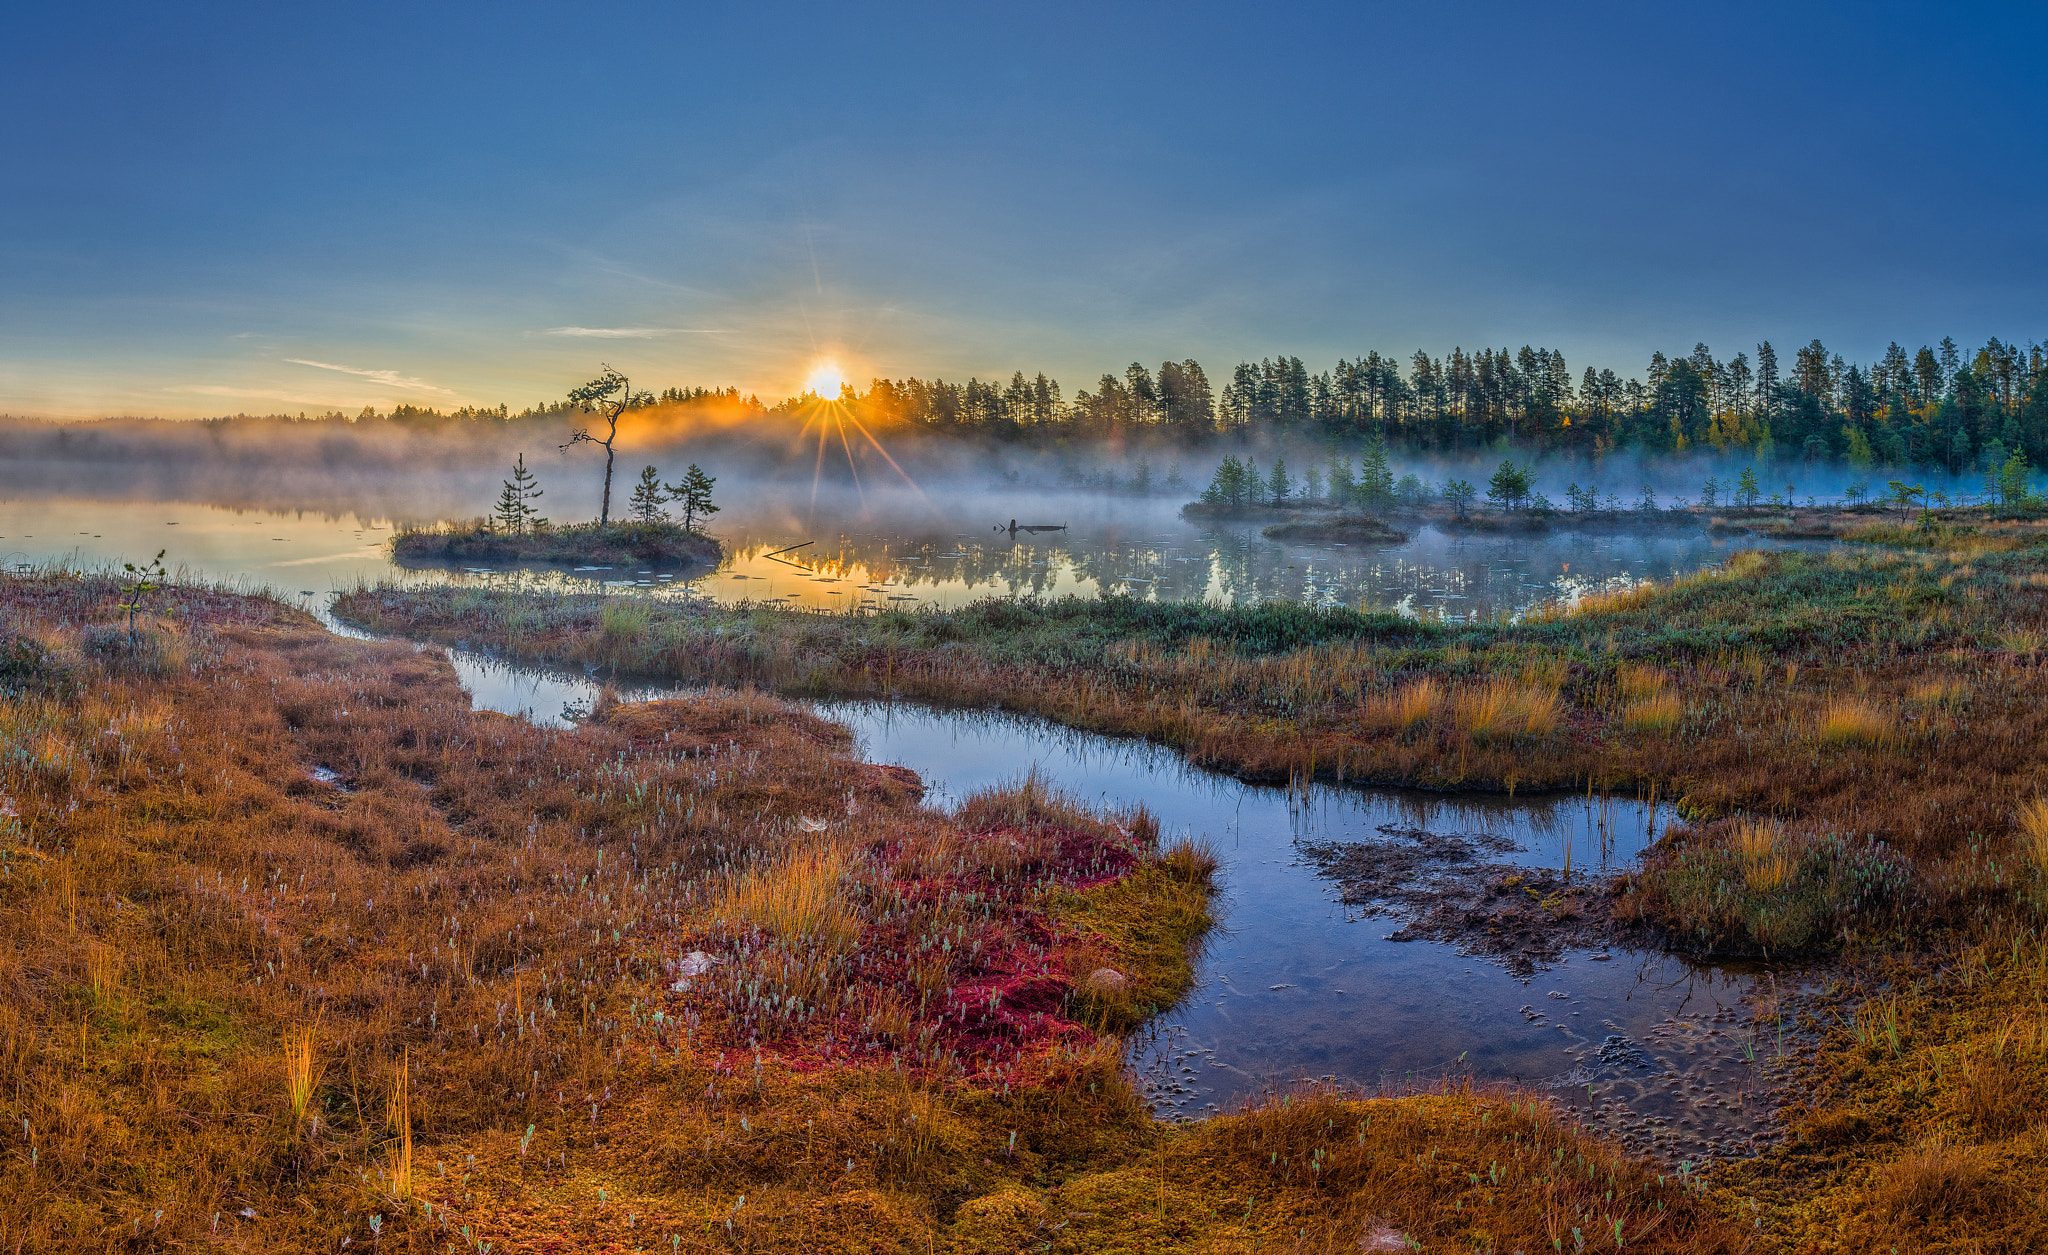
(591, 544)
(516, 531)
(1352, 529)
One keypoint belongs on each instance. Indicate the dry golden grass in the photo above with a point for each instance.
(1413, 705)
(800, 898)
(1660, 714)
(1939, 692)
(1506, 708)
(302, 1069)
(2033, 832)
(1933, 1183)
(1852, 721)
(1635, 682)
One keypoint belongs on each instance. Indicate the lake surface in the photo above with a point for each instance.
(940, 551)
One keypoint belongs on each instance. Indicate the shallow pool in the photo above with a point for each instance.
(1668, 1053)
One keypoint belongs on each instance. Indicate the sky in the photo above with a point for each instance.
(210, 208)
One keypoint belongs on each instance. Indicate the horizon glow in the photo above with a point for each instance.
(261, 210)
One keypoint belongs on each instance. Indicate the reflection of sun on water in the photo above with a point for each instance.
(825, 380)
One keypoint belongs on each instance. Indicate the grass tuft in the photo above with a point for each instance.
(1852, 721)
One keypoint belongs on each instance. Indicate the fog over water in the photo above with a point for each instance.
(926, 531)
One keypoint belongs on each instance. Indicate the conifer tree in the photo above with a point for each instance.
(647, 497)
(513, 512)
(1342, 485)
(1375, 479)
(1509, 486)
(1279, 485)
(1747, 490)
(695, 494)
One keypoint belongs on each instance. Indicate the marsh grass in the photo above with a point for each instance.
(1919, 1123)
(1415, 704)
(303, 1069)
(799, 897)
(1506, 709)
(1710, 689)
(1658, 714)
(1852, 721)
(2033, 832)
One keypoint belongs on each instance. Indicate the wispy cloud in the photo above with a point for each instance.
(634, 333)
(389, 378)
(255, 394)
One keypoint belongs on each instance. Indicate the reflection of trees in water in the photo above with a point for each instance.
(1436, 574)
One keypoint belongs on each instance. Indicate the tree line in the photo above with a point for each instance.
(1937, 407)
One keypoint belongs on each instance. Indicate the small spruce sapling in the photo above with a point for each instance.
(647, 498)
(513, 513)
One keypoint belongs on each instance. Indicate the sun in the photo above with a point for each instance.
(825, 379)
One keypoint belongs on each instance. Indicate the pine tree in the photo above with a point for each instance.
(1375, 480)
(1342, 485)
(1459, 494)
(507, 512)
(513, 513)
(695, 494)
(1279, 485)
(2012, 479)
(647, 498)
(1508, 487)
(1747, 490)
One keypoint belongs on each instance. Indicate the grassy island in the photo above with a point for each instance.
(613, 544)
(1355, 529)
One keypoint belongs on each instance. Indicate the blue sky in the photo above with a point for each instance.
(218, 208)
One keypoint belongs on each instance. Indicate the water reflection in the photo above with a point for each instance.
(946, 554)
